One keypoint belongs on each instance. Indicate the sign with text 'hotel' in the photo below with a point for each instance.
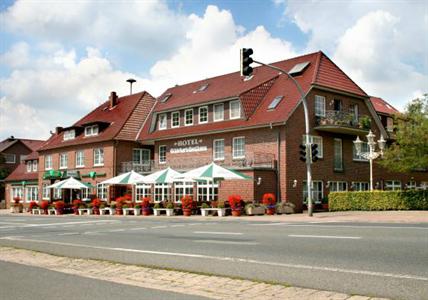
(189, 145)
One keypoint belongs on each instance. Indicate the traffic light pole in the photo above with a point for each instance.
(305, 109)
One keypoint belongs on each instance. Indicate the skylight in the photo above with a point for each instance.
(246, 78)
(201, 88)
(275, 102)
(299, 68)
(166, 97)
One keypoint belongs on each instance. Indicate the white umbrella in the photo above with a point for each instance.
(69, 183)
(126, 178)
(163, 176)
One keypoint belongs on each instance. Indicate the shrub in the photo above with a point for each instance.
(33, 204)
(157, 206)
(137, 206)
(96, 203)
(59, 205)
(205, 205)
(170, 205)
(269, 200)
(44, 204)
(235, 202)
(378, 200)
(186, 202)
(77, 202)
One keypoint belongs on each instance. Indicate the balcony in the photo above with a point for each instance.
(251, 160)
(343, 122)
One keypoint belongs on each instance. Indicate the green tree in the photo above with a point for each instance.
(410, 149)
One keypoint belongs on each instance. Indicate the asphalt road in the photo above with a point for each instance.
(384, 260)
(24, 282)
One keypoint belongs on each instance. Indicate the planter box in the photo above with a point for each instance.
(221, 212)
(51, 211)
(285, 208)
(37, 211)
(17, 209)
(85, 210)
(106, 211)
(135, 211)
(258, 210)
(169, 211)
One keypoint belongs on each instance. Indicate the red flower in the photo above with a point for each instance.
(32, 205)
(235, 202)
(96, 203)
(77, 203)
(269, 200)
(17, 200)
(187, 202)
(44, 204)
(145, 203)
(59, 205)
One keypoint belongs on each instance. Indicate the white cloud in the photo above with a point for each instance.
(17, 56)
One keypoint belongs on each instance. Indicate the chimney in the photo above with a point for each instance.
(113, 99)
(58, 129)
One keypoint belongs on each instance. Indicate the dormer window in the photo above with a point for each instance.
(235, 110)
(218, 112)
(29, 166)
(166, 97)
(35, 165)
(162, 121)
(201, 88)
(69, 134)
(278, 99)
(91, 130)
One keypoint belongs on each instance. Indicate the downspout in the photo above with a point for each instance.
(278, 177)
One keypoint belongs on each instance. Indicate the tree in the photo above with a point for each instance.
(409, 152)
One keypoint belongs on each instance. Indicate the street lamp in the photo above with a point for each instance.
(371, 154)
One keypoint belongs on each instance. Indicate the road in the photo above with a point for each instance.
(384, 260)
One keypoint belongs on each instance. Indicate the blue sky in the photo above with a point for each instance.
(62, 58)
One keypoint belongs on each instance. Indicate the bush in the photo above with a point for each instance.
(205, 205)
(157, 206)
(169, 205)
(378, 200)
(187, 202)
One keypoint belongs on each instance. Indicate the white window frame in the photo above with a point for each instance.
(163, 121)
(392, 185)
(234, 150)
(57, 194)
(338, 154)
(63, 158)
(185, 117)
(84, 194)
(80, 159)
(215, 117)
(31, 193)
(319, 106)
(232, 115)
(355, 112)
(9, 158)
(411, 185)
(207, 190)
(141, 154)
(46, 192)
(162, 158)
(142, 191)
(29, 166)
(16, 191)
(91, 130)
(389, 124)
(199, 114)
(102, 191)
(69, 135)
(338, 186)
(48, 162)
(98, 157)
(317, 195)
(182, 188)
(364, 148)
(175, 113)
(35, 165)
(215, 157)
(361, 186)
(315, 139)
(162, 192)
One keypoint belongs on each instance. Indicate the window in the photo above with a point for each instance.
(175, 119)
(182, 189)
(207, 190)
(31, 193)
(48, 162)
(218, 149)
(9, 158)
(389, 124)
(353, 109)
(411, 185)
(69, 134)
(63, 161)
(102, 191)
(338, 186)
(57, 194)
(238, 147)
(218, 112)
(203, 114)
(364, 149)
(188, 114)
(91, 130)
(142, 191)
(80, 159)
(298, 68)
(141, 156)
(315, 140)
(166, 97)
(29, 166)
(35, 165)
(99, 157)
(201, 88)
(392, 185)
(275, 102)
(360, 186)
(338, 158)
(162, 192)
(337, 105)
(16, 192)
(46, 193)
(162, 121)
(235, 110)
(162, 154)
(84, 194)
(319, 106)
(317, 191)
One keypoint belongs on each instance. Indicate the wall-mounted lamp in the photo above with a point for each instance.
(259, 181)
(294, 183)
(327, 185)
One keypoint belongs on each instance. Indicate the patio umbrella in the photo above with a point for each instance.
(163, 176)
(69, 183)
(126, 178)
(211, 173)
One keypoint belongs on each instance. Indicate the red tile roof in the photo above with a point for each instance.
(255, 94)
(31, 144)
(20, 174)
(115, 118)
(381, 106)
(32, 156)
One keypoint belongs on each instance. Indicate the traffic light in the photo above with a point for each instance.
(302, 153)
(314, 152)
(246, 61)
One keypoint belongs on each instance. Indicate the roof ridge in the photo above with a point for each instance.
(130, 114)
(317, 66)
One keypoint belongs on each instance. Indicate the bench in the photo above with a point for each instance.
(85, 210)
(169, 211)
(221, 212)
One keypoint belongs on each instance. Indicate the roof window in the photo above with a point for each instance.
(201, 88)
(248, 78)
(275, 102)
(299, 68)
(166, 97)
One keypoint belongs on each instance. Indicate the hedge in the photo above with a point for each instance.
(378, 200)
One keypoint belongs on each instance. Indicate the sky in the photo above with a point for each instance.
(59, 59)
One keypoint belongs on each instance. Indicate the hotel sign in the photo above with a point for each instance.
(189, 145)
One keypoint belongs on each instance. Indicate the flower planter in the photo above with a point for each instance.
(51, 211)
(157, 211)
(106, 210)
(236, 212)
(258, 210)
(187, 212)
(96, 210)
(36, 211)
(18, 209)
(324, 206)
(221, 212)
(270, 211)
(59, 211)
(146, 211)
(118, 211)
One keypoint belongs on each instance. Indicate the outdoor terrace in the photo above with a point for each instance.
(343, 122)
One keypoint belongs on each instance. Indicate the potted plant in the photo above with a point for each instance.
(235, 202)
(33, 205)
(252, 209)
(221, 209)
(119, 205)
(187, 205)
(269, 200)
(76, 205)
(145, 205)
(96, 204)
(44, 205)
(204, 209)
(169, 208)
(17, 206)
(59, 207)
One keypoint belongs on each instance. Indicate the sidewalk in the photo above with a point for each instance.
(417, 216)
(214, 287)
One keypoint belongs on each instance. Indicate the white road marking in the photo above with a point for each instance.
(269, 224)
(68, 233)
(339, 226)
(324, 236)
(178, 225)
(116, 230)
(193, 224)
(234, 259)
(138, 228)
(155, 227)
(218, 232)
(225, 242)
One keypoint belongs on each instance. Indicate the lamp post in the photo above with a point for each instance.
(371, 154)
